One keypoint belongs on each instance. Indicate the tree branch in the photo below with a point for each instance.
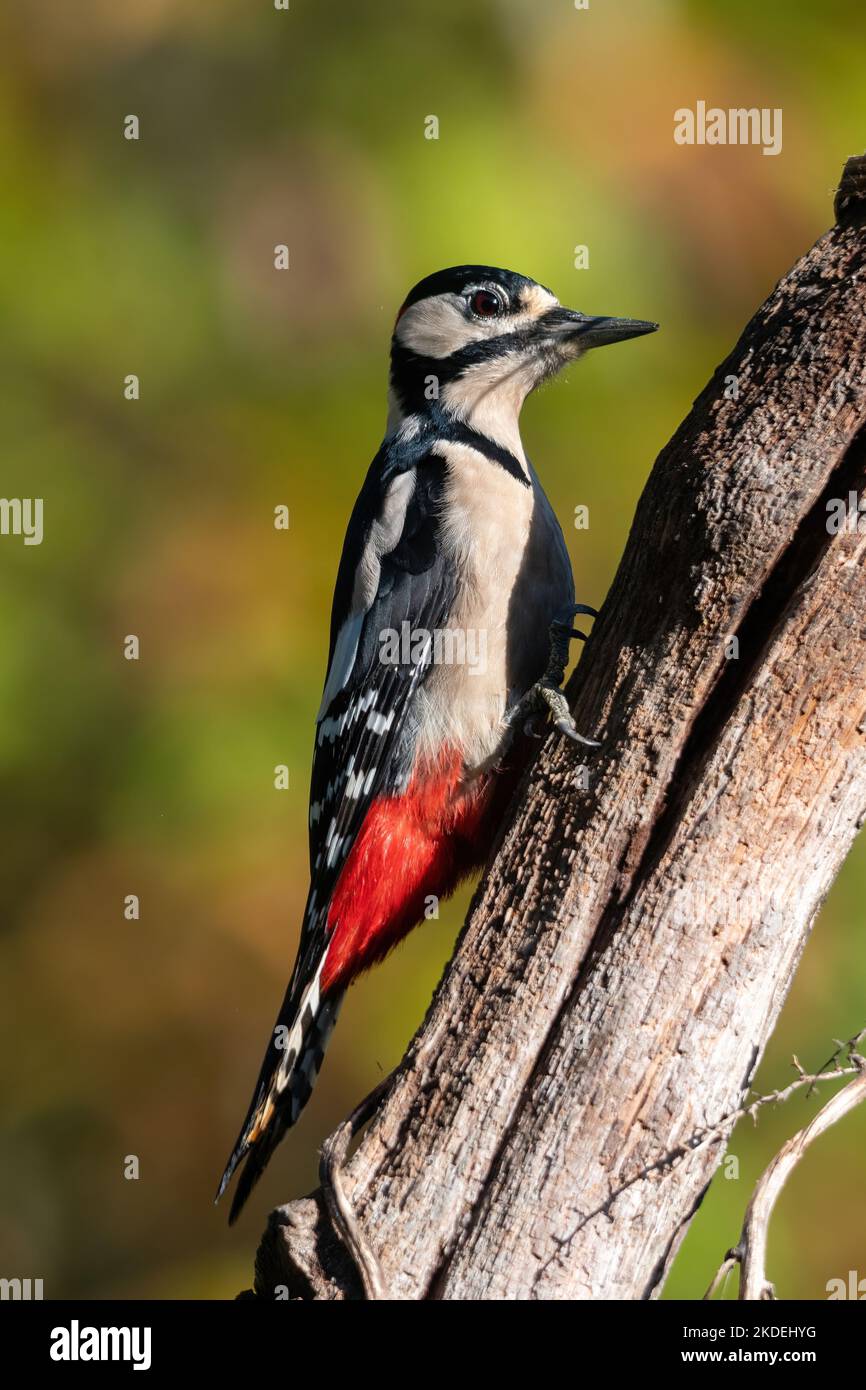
(751, 1250)
(628, 951)
(756, 1227)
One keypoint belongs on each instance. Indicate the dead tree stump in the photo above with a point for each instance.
(629, 949)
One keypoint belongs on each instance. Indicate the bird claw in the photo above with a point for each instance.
(546, 695)
(569, 728)
(565, 615)
(549, 698)
(563, 722)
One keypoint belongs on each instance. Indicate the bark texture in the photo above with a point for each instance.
(628, 951)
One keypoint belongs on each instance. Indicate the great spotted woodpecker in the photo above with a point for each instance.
(417, 754)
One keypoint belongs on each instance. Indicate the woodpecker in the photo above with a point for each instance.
(418, 749)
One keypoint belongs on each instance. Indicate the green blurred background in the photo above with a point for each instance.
(260, 388)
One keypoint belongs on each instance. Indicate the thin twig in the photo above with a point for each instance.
(731, 1260)
(753, 1240)
(850, 1047)
(333, 1157)
(751, 1251)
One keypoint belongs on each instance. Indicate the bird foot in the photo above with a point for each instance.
(546, 696)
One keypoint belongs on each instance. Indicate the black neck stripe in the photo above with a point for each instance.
(457, 432)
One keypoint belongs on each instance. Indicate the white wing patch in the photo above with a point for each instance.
(385, 533)
(345, 651)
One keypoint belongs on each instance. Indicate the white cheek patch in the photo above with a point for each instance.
(437, 326)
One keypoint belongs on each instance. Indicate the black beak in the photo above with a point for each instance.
(591, 332)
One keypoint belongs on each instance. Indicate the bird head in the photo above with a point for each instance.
(476, 340)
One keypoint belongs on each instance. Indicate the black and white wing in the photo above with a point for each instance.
(391, 573)
(392, 585)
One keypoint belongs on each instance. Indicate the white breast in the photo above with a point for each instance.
(486, 520)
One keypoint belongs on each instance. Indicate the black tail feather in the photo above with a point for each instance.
(258, 1158)
(285, 1084)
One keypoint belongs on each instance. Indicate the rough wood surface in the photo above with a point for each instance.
(629, 949)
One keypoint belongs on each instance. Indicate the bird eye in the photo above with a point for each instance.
(486, 304)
